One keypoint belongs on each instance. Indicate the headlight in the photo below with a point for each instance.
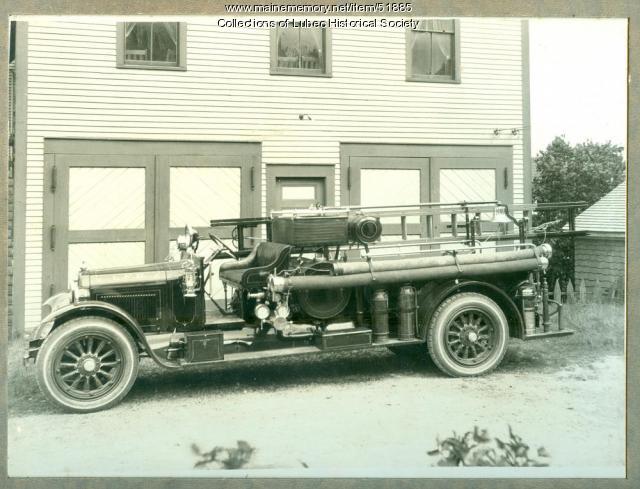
(262, 311)
(58, 301)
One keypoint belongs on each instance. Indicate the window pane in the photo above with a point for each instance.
(106, 198)
(199, 194)
(311, 48)
(298, 192)
(375, 185)
(457, 185)
(421, 53)
(288, 48)
(165, 42)
(138, 41)
(442, 63)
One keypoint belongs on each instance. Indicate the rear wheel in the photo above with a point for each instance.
(467, 335)
(87, 364)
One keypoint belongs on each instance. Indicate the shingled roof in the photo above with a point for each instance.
(608, 215)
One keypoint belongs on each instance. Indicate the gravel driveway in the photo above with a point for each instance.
(341, 414)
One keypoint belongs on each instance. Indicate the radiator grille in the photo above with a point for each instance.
(143, 306)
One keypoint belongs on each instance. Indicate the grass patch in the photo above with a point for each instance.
(23, 394)
(599, 331)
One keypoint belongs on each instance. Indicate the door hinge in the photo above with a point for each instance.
(349, 178)
(506, 178)
(54, 178)
(52, 237)
(252, 180)
(52, 289)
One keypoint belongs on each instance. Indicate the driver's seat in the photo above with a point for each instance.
(252, 272)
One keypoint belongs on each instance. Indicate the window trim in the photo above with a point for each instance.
(274, 69)
(182, 51)
(411, 77)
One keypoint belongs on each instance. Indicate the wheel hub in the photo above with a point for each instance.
(469, 335)
(88, 364)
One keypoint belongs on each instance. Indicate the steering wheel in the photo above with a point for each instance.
(228, 249)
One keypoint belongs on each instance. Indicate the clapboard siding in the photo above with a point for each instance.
(75, 91)
(601, 259)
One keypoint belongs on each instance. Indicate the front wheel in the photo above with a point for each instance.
(467, 335)
(87, 364)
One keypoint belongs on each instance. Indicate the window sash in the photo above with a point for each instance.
(305, 52)
(150, 44)
(439, 60)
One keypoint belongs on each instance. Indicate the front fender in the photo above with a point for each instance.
(95, 308)
(84, 308)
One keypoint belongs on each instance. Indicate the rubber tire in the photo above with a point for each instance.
(78, 327)
(446, 312)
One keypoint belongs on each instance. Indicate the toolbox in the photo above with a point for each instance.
(343, 339)
(204, 346)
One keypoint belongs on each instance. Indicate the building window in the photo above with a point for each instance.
(301, 51)
(433, 51)
(152, 45)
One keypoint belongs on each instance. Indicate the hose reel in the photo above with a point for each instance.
(322, 303)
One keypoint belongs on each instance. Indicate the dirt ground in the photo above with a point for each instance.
(338, 414)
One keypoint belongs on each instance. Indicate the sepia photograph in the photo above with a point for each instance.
(317, 241)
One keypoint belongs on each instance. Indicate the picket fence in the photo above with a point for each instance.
(597, 293)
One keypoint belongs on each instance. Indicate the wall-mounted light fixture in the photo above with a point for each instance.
(514, 131)
(303, 117)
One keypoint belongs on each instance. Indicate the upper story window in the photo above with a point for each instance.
(301, 51)
(433, 51)
(153, 45)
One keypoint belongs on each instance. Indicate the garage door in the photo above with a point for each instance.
(119, 210)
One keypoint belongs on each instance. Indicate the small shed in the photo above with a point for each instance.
(601, 254)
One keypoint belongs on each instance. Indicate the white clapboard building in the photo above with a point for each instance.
(126, 130)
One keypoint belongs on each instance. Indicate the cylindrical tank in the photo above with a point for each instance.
(407, 309)
(529, 309)
(380, 316)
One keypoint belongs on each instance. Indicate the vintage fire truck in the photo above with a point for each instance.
(321, 280)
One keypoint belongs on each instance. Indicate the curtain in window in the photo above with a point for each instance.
(137, 41)
(151, 41)
(165, 41)
(300, 48)
(432, 47)
(441, 54)
(421, 53)
(172, 30)
(311, 49)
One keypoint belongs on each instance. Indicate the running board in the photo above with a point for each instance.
(549, 334)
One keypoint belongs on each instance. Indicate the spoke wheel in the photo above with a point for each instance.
(467, 335)
(87, 364)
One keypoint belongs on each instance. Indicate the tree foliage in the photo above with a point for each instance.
(586, 171)
(566, 173)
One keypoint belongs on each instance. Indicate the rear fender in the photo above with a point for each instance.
(431, 296)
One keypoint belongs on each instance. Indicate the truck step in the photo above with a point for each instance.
(549, 334)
